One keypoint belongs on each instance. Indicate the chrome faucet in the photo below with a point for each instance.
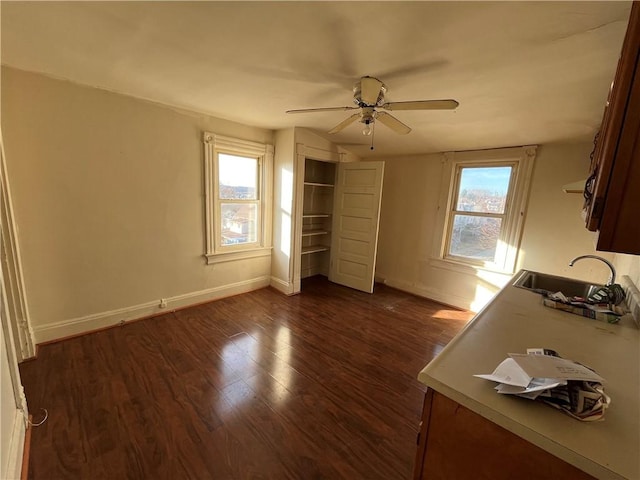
(612, 277)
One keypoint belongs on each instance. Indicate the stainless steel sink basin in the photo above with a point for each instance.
(545, 283)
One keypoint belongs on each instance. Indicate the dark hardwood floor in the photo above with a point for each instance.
(260, 385)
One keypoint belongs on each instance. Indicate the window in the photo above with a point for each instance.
(237, 198)
(478, 211)
(486, 198)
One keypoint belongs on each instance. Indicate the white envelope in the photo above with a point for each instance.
(545, 366)
(508, 372)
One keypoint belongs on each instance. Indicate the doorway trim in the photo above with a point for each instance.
(302, 153)
(17, 308)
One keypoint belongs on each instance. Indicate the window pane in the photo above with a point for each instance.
(237, 177)
(475, 237)
(239, 223)
(483, 189)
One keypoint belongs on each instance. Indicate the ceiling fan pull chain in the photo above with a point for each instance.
(373, 133)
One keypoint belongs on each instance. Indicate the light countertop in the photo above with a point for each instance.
(516, 320)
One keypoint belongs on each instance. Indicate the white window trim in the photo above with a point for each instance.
(522, 160)
(214, 144)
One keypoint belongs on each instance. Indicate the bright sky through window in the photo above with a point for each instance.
(493, 179)
(237, 171)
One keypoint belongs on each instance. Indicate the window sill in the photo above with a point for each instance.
(213, 258)
(466, 268)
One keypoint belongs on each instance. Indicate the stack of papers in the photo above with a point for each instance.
(530, 374)
(560, 382)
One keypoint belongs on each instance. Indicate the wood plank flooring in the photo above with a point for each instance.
(260, 385)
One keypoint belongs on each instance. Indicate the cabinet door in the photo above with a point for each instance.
(609, 172)
(356, 215)
(458, 443)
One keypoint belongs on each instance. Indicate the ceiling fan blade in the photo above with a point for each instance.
(327, 109)
(393, 123)
(345, 123)
(422, 105)
(411, 70)
(370, 90)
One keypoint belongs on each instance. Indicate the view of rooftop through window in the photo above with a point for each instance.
(238, 192)
(479, 210)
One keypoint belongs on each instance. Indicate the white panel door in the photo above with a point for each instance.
(356, 211)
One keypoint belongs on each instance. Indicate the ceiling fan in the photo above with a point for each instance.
(368, 95)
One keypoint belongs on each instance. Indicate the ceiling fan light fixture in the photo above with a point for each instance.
(368, 128)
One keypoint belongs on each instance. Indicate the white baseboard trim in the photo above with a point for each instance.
(80, 325)
(282, 286)
(430, 293)
(13, 460)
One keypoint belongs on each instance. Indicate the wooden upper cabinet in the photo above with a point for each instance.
(612, 194)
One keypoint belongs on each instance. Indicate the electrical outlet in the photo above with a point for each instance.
(163, 303)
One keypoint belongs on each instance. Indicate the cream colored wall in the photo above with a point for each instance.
(628, 265)
(405, 242)
(311, 139)
(285, 271)
(108, 196)
(307, 137)
(409, 198)
(553, 232)
(283, 202)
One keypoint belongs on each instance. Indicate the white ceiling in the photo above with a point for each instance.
(523, 72)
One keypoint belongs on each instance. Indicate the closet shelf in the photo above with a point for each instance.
(314, 249)
(309, 233)
(316, 184)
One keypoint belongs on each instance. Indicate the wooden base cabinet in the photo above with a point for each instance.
(456, 443)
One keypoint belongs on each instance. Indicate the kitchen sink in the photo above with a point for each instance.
(545, 283)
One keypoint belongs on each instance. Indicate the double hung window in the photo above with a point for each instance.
(478, 211)
(237, 198)
(486, 195)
